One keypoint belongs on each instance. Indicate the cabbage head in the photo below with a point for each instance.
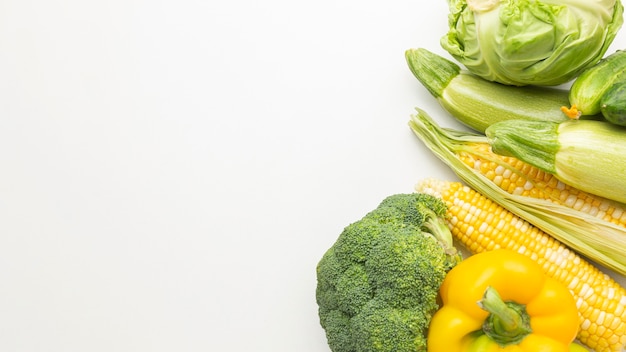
(531, 42)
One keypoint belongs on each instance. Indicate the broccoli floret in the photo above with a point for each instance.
(381, 328)
(377, 285)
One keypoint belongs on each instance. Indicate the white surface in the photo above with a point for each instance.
(172, 171)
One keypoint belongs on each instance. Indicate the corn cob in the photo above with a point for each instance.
(482, 225)
(589, 224)
(517, 177)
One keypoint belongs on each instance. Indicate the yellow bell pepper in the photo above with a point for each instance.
(501, 300)
(574, 347)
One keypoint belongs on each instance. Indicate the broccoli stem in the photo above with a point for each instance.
(438, 228)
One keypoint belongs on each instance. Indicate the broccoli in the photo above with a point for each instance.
(377, 285)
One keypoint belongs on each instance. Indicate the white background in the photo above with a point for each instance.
(172, 171)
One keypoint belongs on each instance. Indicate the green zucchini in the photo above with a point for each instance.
(613, 104)
(479, 103)
(589, 87)
(585, 154)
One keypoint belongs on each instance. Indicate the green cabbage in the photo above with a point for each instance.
(524, 42)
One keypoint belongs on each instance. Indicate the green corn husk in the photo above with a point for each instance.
(599, 240)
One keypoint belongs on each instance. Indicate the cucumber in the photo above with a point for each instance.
(589, 87)
(613, 104)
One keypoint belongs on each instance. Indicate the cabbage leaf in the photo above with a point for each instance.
(531, 42)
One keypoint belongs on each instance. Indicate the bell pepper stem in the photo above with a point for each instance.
(508, 322)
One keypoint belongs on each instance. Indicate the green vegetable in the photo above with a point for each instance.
(527, 42)
(588, 88)
(613, 104)
(478, 103)
(377, 285)
(585, 154)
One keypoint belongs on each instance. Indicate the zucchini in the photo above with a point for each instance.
(593, 83)
(613, 104)
(479, 103)
(585, 154)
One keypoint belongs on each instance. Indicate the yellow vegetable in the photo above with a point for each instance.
(482, 225)
(499, 300)
(574, 347)
(589, 224)
(517, 177)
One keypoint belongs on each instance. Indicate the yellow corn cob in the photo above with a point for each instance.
(517, 177)
(590, 225)
(482, 225)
